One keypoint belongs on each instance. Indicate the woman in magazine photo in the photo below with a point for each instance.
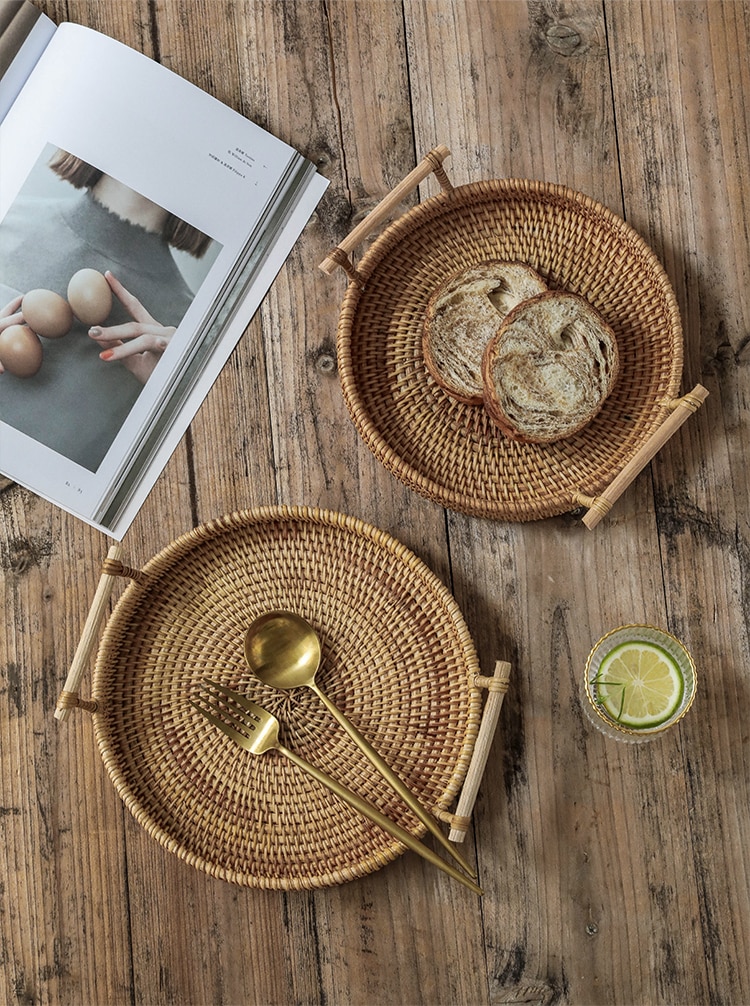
(90, 379)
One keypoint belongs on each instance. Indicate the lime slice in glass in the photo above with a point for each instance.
(639, 685)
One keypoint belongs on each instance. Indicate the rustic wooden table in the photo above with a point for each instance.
(613, 873)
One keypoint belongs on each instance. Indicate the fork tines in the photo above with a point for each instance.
(226, 708)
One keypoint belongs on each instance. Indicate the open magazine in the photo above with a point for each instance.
(141, 224)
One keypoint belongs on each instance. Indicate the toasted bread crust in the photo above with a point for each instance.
(462, 315)
(549, 368)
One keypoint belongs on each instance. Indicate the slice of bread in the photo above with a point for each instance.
(549, 368)
(462, 315)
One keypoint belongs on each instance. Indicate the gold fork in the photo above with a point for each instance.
(256, 730)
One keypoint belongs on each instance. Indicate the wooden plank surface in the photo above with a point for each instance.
(613, 873)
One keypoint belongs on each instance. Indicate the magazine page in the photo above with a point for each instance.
(161, 217)
(24, 35)
(120, 507)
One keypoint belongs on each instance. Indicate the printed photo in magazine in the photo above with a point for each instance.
(76, 364)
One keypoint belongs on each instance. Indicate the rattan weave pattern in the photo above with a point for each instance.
(450, 452)
(398, 659)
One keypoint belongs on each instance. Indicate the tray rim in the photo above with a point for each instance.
(165, 559)
(500, 188)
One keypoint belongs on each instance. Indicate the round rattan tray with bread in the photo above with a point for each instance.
(450, 452)
(398, 660)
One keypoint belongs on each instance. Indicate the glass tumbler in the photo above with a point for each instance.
(597, 712)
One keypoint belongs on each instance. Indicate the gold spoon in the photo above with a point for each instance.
(283, 650)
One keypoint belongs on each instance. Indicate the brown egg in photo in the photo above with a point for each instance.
(47, 313)
(20, 351)
(90, 296)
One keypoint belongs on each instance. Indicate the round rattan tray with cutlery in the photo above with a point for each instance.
(398, 660)
(451, 452)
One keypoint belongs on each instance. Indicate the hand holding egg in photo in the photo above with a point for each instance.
(90, 297)
(48, 314)
(44, 313)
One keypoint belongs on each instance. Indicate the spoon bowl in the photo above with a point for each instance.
(283, 650)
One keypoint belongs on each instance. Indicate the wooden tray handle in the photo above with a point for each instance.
(432, 162)
(112, 570)
(682, 409)
(497, 686)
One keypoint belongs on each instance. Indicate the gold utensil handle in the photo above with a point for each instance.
(374, 815)
(683, 408)
(497, 686)
(398, 785)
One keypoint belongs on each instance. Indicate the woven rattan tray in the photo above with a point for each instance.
(450, 452)
(398, 659)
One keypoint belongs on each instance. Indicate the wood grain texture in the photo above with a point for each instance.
(697, 170)
(613, 873)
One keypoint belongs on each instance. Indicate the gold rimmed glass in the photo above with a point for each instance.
(595, 708)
